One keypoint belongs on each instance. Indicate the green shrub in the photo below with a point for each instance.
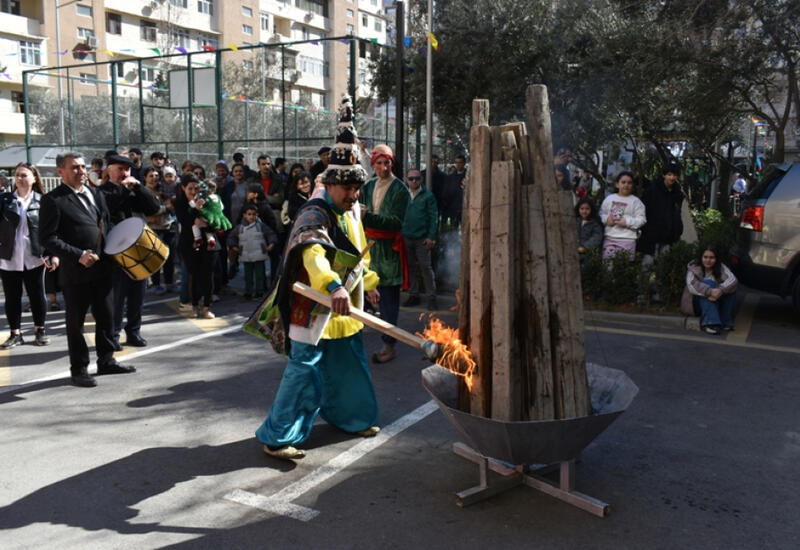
(670, 271)
(622, 278)
(714, 228)
(593, 273)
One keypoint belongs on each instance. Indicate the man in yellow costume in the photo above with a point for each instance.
(327, 372)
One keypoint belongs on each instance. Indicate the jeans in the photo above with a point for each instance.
(719, 313)
(33, 280)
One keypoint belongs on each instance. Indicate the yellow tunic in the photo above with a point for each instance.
(321, 274)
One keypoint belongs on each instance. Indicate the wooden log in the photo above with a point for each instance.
(566, 313)
(534, 319)
(480, 113)
(497, 143)
(510, 149)
(518, 131)
(507, 383)
(463, 293)
(480, 324)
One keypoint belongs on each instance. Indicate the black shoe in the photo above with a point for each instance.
(412, 301)
(83, 380)
(135, 340)
(13, 341)
(115, 368)
(117, 346)
(432, 304)
(42, 339)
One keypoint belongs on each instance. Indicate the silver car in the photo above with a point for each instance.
(767, 251)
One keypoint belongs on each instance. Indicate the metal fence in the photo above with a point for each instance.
(240, 101)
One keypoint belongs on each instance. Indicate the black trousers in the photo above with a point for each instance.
(33, 279)
(78, 298)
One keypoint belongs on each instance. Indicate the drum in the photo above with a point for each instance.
(137, 250)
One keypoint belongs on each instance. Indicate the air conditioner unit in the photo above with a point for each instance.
(92, 41)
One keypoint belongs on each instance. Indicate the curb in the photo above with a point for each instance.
(656, 321)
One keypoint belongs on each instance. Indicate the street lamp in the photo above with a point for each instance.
(429, 100)
(756, 124)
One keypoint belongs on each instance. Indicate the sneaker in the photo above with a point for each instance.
(160, 291)
(13, 341)
(185, 308)
(710, 329)
(204, 313)
(412, 301)
(41, 337)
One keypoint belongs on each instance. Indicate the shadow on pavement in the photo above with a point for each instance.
(103, 497)
(12, 394)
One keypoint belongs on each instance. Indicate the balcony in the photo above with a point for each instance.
(20, 26)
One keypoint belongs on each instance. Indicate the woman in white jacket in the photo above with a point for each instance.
(622, 214)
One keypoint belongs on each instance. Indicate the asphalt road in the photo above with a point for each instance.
(705, 457)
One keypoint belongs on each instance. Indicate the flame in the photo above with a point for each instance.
(456, 356)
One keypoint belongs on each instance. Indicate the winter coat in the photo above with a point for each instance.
(422, 216)
(386, 260)
(590, 234)
(252, 241)
(695, 274)
(663, 211)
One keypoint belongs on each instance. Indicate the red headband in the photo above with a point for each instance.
(378, 154)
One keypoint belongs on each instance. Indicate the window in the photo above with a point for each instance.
(247, 12)
(364, 20)
(362, 50)
(205, 6)
(180, 37)
(378, 25)
(247, 65)
(113, 23)
(320, 7)
(120, 70)
(82, 9)
(350, 14)
(264, 21)
(373, 2)
(10, 6)
(148, 74)
(362, 76)
(30, 53)
(204, 40)
(88, 56)
(247, 29)
(87, 78)
(350, 29)
(85, 33)
(18, 100)
(312, 66)
(179, 3)
(147, 31)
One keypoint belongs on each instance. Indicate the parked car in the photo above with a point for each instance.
(766, 255)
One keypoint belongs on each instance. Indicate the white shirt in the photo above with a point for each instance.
(22, 258)
(84, 191)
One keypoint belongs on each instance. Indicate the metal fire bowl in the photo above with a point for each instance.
(535, 442)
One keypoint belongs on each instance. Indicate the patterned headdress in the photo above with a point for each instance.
(343, 167)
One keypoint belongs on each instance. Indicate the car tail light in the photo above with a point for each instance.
(753, 218)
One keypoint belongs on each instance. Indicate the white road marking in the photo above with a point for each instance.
(280, 502)
(142, 353)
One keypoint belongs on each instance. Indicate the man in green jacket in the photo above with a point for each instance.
(419, 234)
(384, 200)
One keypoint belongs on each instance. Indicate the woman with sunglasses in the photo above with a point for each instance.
(22, 259)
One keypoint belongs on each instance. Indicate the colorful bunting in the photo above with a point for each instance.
(181, 49)
(315, 42)
(233, 47)
(434, 42)
(110, 53)
(208, 48)
(407, 41)
(158, 52)
(373, 40)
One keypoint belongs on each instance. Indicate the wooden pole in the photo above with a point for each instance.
(507, 375)
(480, 322)
(565, 307)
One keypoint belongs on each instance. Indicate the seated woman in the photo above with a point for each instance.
(713, 288)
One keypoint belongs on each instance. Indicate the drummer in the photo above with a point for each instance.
(127, 197)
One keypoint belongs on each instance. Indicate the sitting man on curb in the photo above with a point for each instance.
(327, 372)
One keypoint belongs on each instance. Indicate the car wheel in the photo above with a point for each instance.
(796, 294)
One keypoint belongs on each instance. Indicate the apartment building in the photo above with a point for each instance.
(87, 31)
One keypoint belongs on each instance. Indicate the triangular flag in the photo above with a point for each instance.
(224, 95)
(181, 49)
(158, 52)
(233, 47)
(208, 48)
(110, 53)
(407, 41)
(315, 42)
(434, 42)
(373, 40)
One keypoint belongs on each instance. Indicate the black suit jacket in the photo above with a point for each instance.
(66, 229)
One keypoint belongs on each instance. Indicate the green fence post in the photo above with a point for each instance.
(190, 90)
(114, 118)
(352, 83)
(27, 104)
(141, 103)
(218, 88)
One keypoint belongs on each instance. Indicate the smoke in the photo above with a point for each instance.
(448, 262)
